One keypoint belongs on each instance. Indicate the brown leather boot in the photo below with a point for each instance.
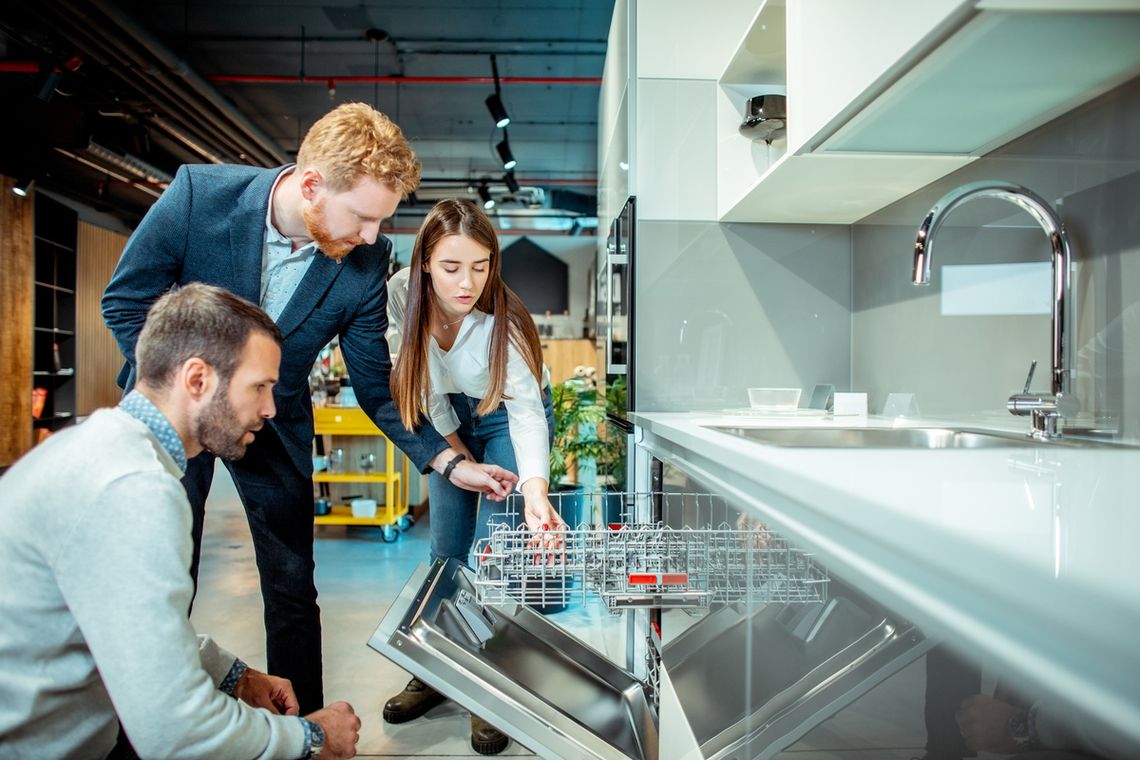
(485, 738)
(415, 700)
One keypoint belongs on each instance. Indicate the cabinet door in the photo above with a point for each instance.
(838, 48)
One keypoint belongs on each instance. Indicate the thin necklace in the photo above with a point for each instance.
(447, 325)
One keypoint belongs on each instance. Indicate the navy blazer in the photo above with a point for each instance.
(209, 226)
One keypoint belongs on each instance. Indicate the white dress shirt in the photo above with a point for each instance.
(464, 369)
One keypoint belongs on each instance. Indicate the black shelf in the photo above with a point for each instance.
(53, 333)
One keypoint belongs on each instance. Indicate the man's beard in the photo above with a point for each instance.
(334, 248)
(219, 430)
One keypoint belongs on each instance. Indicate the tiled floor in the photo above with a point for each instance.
(358, 576)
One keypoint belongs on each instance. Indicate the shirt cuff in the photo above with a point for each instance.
(229, 683)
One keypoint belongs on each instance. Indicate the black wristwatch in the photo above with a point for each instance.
(451, 465)
(316, 738)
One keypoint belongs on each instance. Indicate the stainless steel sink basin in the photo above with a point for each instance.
(889, 438)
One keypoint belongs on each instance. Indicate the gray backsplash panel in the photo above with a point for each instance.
(1087, 164)
(736, 306)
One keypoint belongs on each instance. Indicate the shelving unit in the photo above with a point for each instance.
(53, 341)
(351, 429)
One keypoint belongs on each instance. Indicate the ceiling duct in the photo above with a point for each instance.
(197, 112)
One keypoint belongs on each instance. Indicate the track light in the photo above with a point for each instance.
(512, 183)
(485, 195)
(23, 186)
(498, 113)
(495, 100)
(504, 149)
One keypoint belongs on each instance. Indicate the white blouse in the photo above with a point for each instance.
(464, 369)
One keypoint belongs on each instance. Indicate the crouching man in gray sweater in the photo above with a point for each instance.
(95, 554)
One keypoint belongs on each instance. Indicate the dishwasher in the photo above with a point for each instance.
(773, 648)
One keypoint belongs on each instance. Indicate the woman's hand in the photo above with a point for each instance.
(541, 517)
(539, 513)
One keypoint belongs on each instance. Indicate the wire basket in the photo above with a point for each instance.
(648, 550)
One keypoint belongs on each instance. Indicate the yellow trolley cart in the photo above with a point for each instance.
(352, 424)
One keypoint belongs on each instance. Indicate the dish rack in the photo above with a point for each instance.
(658, 550)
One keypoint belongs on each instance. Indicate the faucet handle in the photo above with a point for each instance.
(1029, 377)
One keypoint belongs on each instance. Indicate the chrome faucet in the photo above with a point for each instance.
(1047, 411)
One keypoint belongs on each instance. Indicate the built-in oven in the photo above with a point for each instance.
(615, 315)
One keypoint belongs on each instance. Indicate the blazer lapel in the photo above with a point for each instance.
(309, 292)
(247, 236)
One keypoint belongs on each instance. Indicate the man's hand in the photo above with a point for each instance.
(271, 692)
(984, 722)
(342, 730)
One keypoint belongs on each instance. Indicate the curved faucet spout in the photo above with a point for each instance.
(1040, 210)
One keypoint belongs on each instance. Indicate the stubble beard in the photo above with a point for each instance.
(219, 430)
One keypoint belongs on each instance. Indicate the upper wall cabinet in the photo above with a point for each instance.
(886, 96)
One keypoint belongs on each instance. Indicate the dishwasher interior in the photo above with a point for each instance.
(775, 646)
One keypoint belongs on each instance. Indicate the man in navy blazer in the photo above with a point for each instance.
(304, 242)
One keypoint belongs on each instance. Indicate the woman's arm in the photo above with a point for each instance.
(530, 439)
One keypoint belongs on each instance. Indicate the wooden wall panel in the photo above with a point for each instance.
(16, 293)
(98, 359)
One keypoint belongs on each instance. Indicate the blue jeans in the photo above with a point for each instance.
(455, 515)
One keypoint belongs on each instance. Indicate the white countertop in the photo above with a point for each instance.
(1029, 555)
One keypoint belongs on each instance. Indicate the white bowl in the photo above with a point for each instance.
(774, 398)
(364, 509)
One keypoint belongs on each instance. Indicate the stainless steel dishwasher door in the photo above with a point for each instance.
(748, 683)
(528, 677)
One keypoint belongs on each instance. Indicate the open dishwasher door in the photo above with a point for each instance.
(508, 664)
(779, 671)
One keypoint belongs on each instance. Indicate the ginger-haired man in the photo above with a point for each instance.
(304, 242)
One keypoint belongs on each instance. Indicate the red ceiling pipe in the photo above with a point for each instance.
(324, 80)
(506, 232)
(19, 67)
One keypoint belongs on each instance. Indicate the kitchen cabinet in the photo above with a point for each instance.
(886, 97)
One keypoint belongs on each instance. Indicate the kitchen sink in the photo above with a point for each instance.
(896, 438)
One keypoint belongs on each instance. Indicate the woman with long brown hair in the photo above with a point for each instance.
(469, 356)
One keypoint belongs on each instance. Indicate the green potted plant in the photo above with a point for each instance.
(588, 454)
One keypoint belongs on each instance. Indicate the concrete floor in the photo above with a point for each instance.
(358, 577)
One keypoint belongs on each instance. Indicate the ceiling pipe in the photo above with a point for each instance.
(132, 164)
(324, 79)
(585, 181)
(195, 82)
(185, 140)
(102, 44)
(157, 70)
(110, 48)
(19, 67)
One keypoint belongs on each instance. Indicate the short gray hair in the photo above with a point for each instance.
(202, 321)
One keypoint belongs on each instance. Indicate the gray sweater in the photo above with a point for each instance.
(94, 588)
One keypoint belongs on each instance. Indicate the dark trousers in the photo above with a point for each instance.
(278, 503)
